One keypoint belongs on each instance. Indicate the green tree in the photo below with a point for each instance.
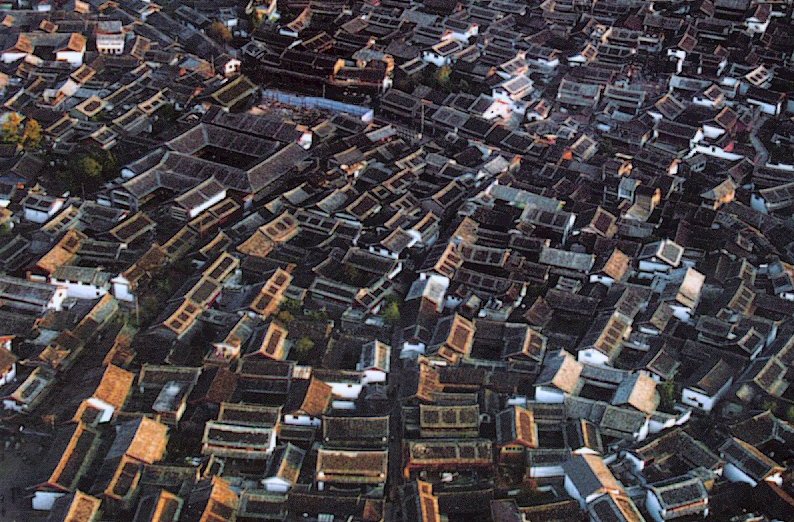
(292, 306)
(790, 414)
(219, 32)
(770, 405)
(285, 317)
(443, 76)
(109, 163)
(168, 113)
(667, 396)
(303, 348)
(87, 168)
(10, 128)
(354, 276)
(318, 315)
(31, 135)
(83, 172)
(391, 312)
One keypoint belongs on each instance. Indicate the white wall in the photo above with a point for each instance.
(592, 356)
(412, 350)
(549, 395)
(121, 289)
(80, 290)
(654, 507)
(12, 57)
(36, 216)
(644, 430)
(702, 401)
(276, 485)
(9, 376)
(11, 404)
(435, 59)
(636, 463)
(601, 278)
(56, 303)
(74, 58)
(649, 265)
(43, 500)
(301, 420)
(656, 427)
(346, 390)
(734, 474)
(573, 492)
(545, 471)
(371, 376)
(195, 211)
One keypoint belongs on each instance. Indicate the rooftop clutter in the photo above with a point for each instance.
(413, 260)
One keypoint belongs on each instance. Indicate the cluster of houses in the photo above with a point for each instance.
(509, 261)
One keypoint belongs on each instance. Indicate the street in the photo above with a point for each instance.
(17, 469)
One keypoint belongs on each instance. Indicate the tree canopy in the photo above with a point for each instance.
(219, 32)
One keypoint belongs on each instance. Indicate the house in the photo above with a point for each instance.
(238, 441)
(307, 402)
(8, 364)
(40, 208)
(283, 468)
(448, 455)
(708, 384)
(143, 270)
(110, 37)
(684, 296)
(153, 378)
(550, 223)
(516, 429)
(638, 391)
(109, 397)
(659, 258)
(559, 377)
(449, 421)
(228, 65)
(198, 199)
(677, 497)
(211, 499)
(351, 468)
(670, 452)
(442, 53)
(30, 297)
(32, 391)
(774, 198)
(132, 229)
(614, 506)
(452, 339)
(78, 451)
(81, 282)
(347, 432)
(520, 342)
(160, 504)
(578, 94)
(63, 47)
(374, 362)
(64, 252)
(723, 193)
(768, 101)
(587, 478)
(566, 260)
(137, 443)
(745, 463)
(613, 269)
(76, 507)
(603, 341)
